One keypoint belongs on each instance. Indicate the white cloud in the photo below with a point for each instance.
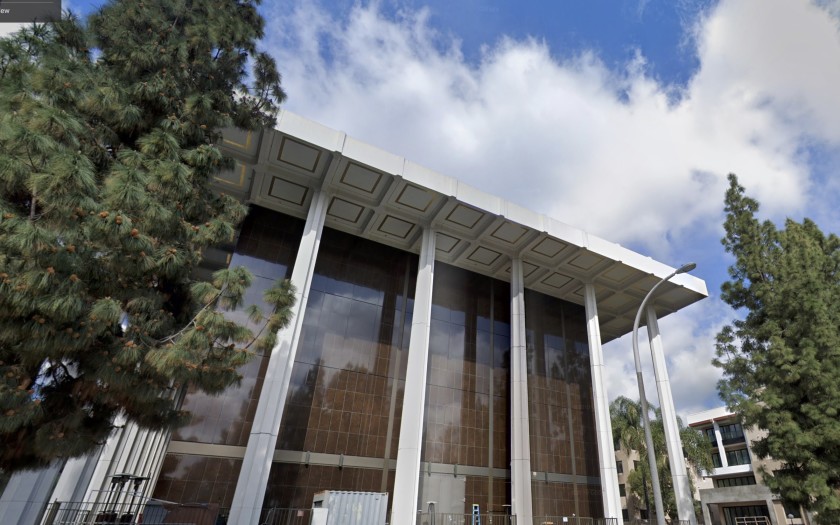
(7, 28)
(604, 150)
(614, 152)
(781, 59)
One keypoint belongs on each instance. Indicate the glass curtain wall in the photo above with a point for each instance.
(267, 246)
(467, 423)
(564, 453)
(345, 397)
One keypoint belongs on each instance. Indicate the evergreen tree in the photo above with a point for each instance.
(629, 433)
(108, 134)
(781, 362)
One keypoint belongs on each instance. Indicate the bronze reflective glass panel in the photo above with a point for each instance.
(267, 245)
(198, 479)
(561, 411)
(293, 486)
(346, 391)
(467, 419)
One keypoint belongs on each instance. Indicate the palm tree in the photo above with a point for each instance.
(628, 433)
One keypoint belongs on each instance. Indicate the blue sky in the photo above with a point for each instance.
(621, 117)
(615, 29)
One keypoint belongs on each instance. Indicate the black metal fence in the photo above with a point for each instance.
(278, 516)
(573, 520)
(136, 511)
(155, 512)
(465, 519)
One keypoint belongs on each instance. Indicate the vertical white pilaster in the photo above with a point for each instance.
(719, 442)
(407, 477)
(682, 489)
(520, 456)
(129, 450)
(253, 478)
(27, 494)
(603, 424)
(74, 481)
(109, 461)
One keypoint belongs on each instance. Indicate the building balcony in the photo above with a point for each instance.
(727, 471)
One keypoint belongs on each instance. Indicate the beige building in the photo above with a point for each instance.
(734, 492)
(632, 507)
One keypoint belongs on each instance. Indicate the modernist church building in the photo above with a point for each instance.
(446, 350)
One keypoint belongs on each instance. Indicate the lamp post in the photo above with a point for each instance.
(654, 474)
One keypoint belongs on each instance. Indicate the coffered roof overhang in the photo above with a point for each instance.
(386, 198)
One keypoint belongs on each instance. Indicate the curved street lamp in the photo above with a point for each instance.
(654, 473)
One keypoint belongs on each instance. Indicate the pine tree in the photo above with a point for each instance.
(781, 361)
(108, 134)
(629, 433)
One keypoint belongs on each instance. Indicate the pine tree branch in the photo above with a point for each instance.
(33, 205)
(100, 105)
(258, 334)
(192, 321)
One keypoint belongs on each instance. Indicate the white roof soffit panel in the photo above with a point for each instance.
(386, 198)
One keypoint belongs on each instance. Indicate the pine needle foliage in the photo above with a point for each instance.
(781, 361)
(108, 134)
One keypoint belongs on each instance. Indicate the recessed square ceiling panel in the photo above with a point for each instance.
(611, 328)
(527, 269)
(396, 227)
(415, 198)
(298, 154)
(445, 243)
(235, 177)
(557, 280)
(509, 232)
(464, 216)
(548, 247)
(345, 210)
(618, 273)
(585, 260)
(238, 138)
(643, 285)
(287, 191)
(361, 178)
(485, 256)
(619, 303)
(669, 295)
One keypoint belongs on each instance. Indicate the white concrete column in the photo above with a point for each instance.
(682, 489)
(27, 495)
(719, 443)
(520, 455)
(74, 481)
(253, 478)
(603, 424)
(129, 450)
(156, 463)
(146, 454)
(407, 477)
(109, 461)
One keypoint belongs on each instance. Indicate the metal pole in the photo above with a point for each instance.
(654, 474)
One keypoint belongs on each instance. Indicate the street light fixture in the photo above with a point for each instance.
(654, 473)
